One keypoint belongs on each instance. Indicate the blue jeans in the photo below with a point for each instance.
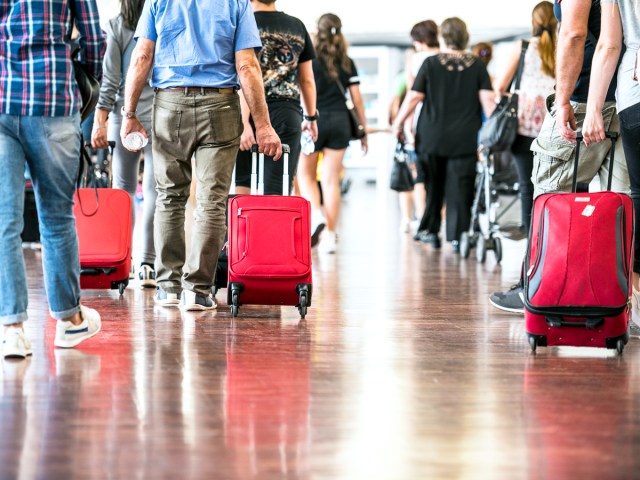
(51, 148)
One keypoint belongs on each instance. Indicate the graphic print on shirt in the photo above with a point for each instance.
(279, 61)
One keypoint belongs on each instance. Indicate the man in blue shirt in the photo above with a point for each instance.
(201, 51)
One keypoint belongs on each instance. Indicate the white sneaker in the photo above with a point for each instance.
(15, 344)
(328, 242)
(317, 225)
(635, 307)
(146, 276)
(405, 226)
(69, 335)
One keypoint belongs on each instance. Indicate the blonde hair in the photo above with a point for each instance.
(331, 46)
(545, 26)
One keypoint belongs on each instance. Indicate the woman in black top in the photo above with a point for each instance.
(331, 66)
(454, 87)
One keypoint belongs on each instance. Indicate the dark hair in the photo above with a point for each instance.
(267, 2)
(484, 51)
(331, 46)
(454, 33)
(426, 32)
(131, 11)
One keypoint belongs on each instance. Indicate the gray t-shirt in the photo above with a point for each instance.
(628, 91)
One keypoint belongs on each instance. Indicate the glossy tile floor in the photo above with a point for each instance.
(402, 370)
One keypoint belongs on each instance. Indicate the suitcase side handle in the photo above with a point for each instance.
(257, 163)
(611, 135)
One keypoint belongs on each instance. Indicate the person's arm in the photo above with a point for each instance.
(90, 37)
(569, 60)
(606, 57)
(137, 77)
(250, 76)
(487, 100)
(308, 94)
(502, 82)
(111, 78)
(358, 103)
(248, 138)
(410, 103)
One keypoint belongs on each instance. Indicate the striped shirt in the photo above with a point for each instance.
(36, 73)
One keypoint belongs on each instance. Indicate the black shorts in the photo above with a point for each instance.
(334, 130)
(286, 119)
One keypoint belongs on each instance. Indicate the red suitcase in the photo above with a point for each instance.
(269, 247)
(103, 220)
(579, 267)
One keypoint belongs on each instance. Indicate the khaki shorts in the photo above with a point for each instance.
(553, 161)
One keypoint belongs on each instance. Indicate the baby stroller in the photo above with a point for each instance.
(496, 176)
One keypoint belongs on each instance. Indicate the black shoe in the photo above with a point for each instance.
(431, 238)
(510, 301)
(418, 235)
(315, 236)
(455, 246)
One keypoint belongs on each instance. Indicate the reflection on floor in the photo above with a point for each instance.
(401, 371)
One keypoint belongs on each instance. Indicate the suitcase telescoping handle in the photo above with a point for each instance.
(257, 178)
(613, 136)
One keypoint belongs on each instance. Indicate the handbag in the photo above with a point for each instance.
(401, 179)
(499, 131)
(357, 129)
(88, 85)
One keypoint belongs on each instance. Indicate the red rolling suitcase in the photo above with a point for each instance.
(579, 267)
(269, 246)
(103, 220)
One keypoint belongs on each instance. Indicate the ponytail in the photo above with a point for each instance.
(547, 51)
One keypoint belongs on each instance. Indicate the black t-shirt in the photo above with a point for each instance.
(451, 112)
(285, 44)
(328, 94)
(581, 90)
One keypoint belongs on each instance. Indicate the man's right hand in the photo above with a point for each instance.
(130, 125)
(269, 142)
(566, 121)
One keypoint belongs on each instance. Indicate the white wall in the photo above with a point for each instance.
(366, 16)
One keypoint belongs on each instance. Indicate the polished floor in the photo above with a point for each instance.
(402, 370)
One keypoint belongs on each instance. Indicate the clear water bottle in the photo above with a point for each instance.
(135, 141)
(306, 143)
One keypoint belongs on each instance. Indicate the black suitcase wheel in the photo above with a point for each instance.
(497, 244)
(481, 249)
(235, 304)
(302, 306)
(620, 346)
(121, 287)
(533, 343)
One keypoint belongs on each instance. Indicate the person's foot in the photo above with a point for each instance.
(166, 299)
(146, 276)
(432, 239)
(418, 235)
(509, 301)
(190, 301)
(405, 225)
(328, 242)
(15, 344)
(69, 335)
(317, 225)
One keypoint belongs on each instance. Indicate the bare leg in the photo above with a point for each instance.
(330, 179)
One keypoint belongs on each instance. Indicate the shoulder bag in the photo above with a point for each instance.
(499, 131)
(357, 129)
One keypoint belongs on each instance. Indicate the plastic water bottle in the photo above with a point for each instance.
(135, 141)
(306, 143)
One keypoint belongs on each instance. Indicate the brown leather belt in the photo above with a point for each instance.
(203, 90)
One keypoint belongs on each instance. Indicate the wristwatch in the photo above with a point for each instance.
(124, 113)
(312, 118)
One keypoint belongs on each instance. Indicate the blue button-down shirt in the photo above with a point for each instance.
(196, 40)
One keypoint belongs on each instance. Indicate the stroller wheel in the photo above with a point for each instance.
(465, 246)
(481, 249)
(497, 246)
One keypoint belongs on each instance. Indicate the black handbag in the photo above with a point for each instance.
(500, 129)
(357, 129)
(88, 85)
(401, 179)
